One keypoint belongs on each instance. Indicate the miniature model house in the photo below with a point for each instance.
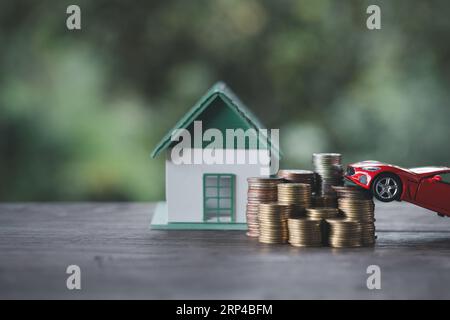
(202, 195)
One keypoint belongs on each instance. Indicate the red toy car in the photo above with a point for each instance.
(427, 187)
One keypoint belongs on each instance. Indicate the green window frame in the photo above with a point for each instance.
(219, 198)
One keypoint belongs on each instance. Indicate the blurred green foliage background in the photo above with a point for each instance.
(80, 111)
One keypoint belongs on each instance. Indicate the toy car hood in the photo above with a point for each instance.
(420, 171)
(368, 163)
(428, 170)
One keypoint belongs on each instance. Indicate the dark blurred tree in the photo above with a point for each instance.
(81, 110)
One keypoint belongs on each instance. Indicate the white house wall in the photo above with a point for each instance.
(184, 188)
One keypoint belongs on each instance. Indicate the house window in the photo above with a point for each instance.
(218, 197)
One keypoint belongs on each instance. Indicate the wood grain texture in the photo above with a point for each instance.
(121, 258)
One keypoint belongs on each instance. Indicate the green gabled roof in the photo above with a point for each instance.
(221, 90)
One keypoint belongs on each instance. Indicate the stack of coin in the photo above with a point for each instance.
(344, 233)
(368, 233)
(323, 213)
(298, 176)
(328, 201)
(361, 211)
(356, 209)
(260, 190)
(273, 219)
(357, 205)
(298, 194)
(305, 232)
(329, 171)
(352, 192)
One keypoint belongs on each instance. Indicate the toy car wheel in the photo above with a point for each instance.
(387, 187)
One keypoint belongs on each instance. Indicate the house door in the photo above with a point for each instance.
(218, 198)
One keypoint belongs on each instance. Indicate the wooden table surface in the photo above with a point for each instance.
(120, 257)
